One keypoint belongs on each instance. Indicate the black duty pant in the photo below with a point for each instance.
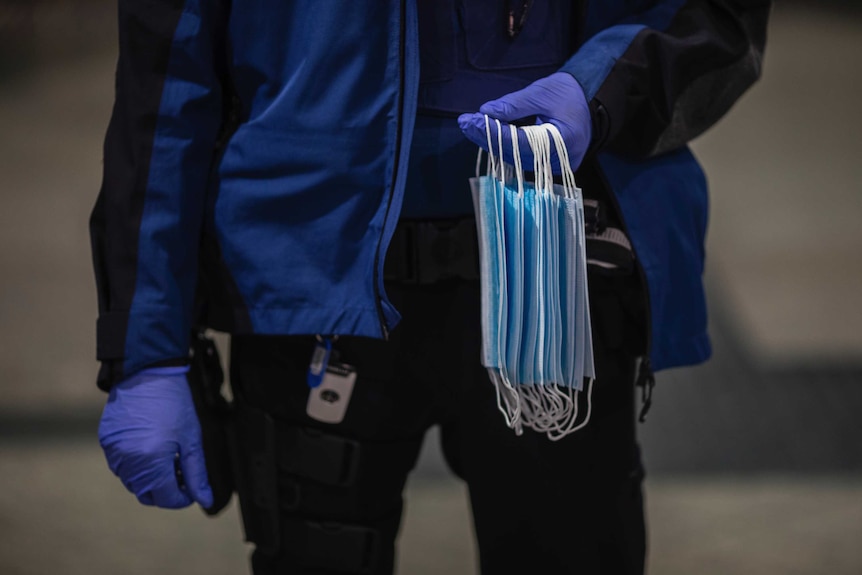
(329, 499)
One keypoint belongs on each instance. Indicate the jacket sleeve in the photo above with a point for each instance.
(662, 77)
(159, 148)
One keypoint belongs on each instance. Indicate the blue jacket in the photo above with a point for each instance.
(256, 160)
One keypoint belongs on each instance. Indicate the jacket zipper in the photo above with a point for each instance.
(384, 329)
(645, 378)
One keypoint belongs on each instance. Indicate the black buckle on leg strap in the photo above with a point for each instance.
(318, 456)
(332, 546)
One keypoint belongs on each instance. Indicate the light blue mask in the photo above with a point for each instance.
(536, 333)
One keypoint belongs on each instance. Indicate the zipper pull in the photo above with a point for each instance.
(645, 381)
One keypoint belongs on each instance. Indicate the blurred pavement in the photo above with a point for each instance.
(754, 460)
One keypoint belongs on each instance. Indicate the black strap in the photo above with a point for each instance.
(426, 252)
(332, 546)
(645, 381)
(338, 461)
(318, 456)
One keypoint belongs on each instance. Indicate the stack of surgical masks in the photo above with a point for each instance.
(536, 336)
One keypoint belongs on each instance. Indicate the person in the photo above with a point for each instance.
(295, 174)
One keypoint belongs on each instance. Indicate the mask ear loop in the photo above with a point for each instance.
(542, 170)
(549, 167)
(555, 413)
(568, 174)
(562, 432)
(541, 182)
(543, 254)
(569, 186)
(521, 412)
(530, 133)
(516, 154)
(500, 149)
(507, 399)
(566, 396)
(492, 161)
(521, 392)
(542, 134)
(542, 140)
(544, 408)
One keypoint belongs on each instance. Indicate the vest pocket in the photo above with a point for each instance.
(438, 36)
(542, 41)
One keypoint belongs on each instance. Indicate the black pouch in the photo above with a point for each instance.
(206, 378)
(257, 478)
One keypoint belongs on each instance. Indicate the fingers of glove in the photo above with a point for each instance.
(166, 493)
(557, 96)
(132, 451)
(146, 420)
(150, 476)
(194, 471)
(473, 127)
(558, 99)
(517, 105)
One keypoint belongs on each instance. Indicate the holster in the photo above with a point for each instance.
(257, 477)
(280, 460)
(206, 378)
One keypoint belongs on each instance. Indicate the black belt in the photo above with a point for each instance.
(428, 251)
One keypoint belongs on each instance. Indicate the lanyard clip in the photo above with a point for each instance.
(319, 361)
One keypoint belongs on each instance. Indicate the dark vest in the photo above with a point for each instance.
(468, 54)
(468, 57)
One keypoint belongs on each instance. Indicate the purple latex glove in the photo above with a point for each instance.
(148, 424)
(557, 99)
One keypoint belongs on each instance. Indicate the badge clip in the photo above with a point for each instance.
(329, 401)
(319, 361)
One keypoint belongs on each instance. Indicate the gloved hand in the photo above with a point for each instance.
(558, 99)
(147, 424)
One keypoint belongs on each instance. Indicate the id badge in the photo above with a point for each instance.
(328, 401)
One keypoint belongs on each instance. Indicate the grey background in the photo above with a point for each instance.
(754, 459)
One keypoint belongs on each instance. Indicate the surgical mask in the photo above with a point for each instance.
(536, 333)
